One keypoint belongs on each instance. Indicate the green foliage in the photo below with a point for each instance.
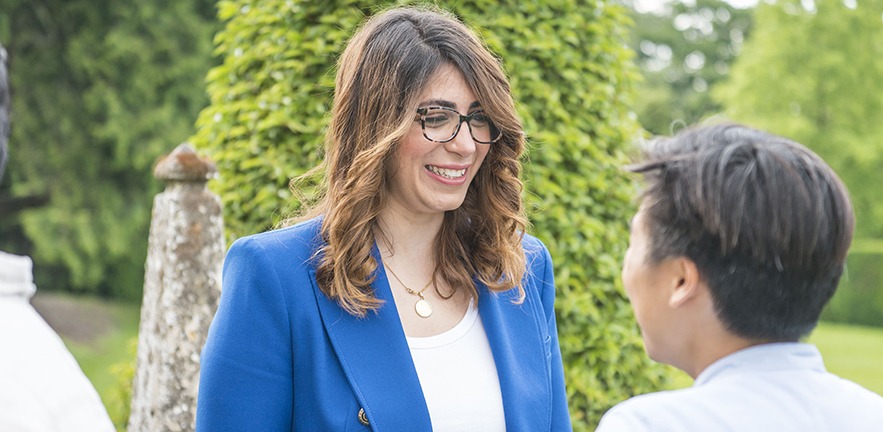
(100, 90)
(684, 51)
(269, 100)
(571, 76)
(119, 399)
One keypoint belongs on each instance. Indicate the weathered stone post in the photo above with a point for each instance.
(182, 283)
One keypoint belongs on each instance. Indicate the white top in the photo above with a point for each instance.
(459, 377)
(42, 388)
(777, 387)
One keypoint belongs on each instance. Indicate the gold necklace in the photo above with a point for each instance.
(423, 308)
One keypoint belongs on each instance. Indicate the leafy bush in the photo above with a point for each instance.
(119, 403)
(571, 75)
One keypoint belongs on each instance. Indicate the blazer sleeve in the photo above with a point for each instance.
(246, 366)
(560, 412)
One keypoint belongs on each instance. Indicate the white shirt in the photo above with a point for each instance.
(771, 387)
(459, 378)
(42, 388)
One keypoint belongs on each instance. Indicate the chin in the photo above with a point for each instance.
(450, 204)
(652, 352)
(448, 209)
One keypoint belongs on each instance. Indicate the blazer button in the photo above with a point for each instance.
(363, 418)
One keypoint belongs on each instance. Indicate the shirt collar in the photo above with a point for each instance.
(769, 357)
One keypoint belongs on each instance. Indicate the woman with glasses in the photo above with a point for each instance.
(409, 298)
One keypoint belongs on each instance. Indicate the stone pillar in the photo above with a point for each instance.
(182, 283)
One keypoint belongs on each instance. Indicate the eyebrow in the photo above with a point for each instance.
(448, 104)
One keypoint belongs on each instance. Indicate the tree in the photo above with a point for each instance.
(101, 89)
(572, 77)
(683, 51)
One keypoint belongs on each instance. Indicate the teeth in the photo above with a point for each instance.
(447, 173)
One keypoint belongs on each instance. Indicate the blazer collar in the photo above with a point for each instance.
(375, 356)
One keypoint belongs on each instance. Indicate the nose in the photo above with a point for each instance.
(462, 144)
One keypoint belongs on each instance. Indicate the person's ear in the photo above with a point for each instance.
(687, 283)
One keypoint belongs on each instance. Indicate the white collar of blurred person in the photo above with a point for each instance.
(16, 276)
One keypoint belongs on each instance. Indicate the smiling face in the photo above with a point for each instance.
(430, 177)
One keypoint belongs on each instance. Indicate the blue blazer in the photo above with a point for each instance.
(282, 356)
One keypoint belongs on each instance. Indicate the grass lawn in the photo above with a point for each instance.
(852, 352)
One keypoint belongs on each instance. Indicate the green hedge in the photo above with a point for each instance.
(859, 298)
(571, 76)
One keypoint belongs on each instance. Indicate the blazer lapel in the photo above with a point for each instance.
(520, 354)
(375, 356)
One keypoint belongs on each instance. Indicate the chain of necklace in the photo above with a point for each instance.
(423, 307)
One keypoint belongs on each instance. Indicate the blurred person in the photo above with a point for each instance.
(410, 298)
(739, 242)
(42, 388)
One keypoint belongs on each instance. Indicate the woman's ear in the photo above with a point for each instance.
(687, 283)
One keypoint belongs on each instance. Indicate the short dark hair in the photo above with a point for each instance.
(767, 222)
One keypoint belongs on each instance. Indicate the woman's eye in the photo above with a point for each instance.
(480, 119)
(436, 119)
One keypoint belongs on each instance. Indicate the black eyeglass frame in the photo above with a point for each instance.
(462, 118)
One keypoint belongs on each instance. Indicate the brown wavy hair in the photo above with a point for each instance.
(380, 77)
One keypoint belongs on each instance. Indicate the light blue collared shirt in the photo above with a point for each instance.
(771, 387)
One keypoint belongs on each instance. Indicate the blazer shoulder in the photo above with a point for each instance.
(532, 244)
(536, 253)
(302, 239)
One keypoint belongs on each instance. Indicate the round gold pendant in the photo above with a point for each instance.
(423, 308)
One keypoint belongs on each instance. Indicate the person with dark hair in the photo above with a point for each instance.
(738, 244)
(42, 388)
(409, 298)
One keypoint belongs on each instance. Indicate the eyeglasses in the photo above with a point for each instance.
(442, 124)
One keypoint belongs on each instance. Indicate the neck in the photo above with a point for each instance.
(406, 234)
(713, 348)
